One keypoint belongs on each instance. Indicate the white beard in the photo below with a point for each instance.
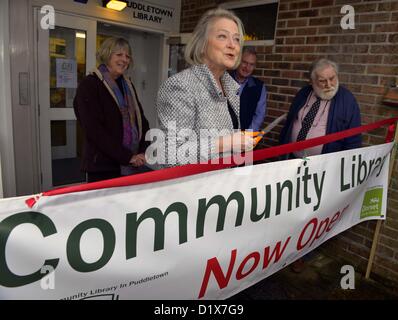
(326, 95)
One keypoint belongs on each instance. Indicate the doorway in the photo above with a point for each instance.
(146, 70)
(65, 55)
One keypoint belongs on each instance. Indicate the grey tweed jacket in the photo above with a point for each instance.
(190, 104)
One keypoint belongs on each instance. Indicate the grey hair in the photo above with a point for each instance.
(249, 49)
(196, 46)
(110, 46)
(322, 64)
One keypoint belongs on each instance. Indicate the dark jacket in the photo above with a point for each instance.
(101, 121)
(248, 101)
(344, 114)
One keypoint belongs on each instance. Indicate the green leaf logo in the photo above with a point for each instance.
(371, 205)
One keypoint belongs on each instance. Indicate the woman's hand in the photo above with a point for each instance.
(237, 142)
(137, 160)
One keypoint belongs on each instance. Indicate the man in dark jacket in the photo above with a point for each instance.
(252, 92)
(322, 108)
(319, 109)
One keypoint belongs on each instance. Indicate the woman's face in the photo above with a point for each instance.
(118, 63)
(223, 45)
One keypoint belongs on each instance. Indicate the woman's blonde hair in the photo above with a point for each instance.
(111, 45)
(196, 46)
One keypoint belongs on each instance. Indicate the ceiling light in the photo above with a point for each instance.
(80, 35)
(114, 4)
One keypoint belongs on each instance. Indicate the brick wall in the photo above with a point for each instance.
(368, 60)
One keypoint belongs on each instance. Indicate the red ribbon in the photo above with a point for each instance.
(191, 169)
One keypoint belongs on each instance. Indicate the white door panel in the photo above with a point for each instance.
(65, 53)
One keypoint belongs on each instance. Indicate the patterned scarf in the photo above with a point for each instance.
(127, 108)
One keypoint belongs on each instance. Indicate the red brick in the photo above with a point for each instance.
(392, 233)
(284, 49)
(386, 27)
(292, 57)
(390, 59)
(317, 40)
(384, 275)
(342, 39)
(352, 68)
(393, 38)
(312, 57)
(344, 78)
(341, 58)
(284, 32)
(320, 21)
(388, 6)
(301, 66)
(289, 91)
(282, 65)
(367, 59)
(354, 88)
(329, 49)
(371, 38)
(361, 251)
(291, 74)
(271, 73)
(373, 89)
(306, 31)
(362, 48)
(375, 17)
(385, 252)
(273, 57)
(364, 28)
(287, 15)
(364, 79)
(365, 8)
(299, 5)
(283, 7)
(321, 3)
(281, 24)
(308, 13)
(304, 49)
(392, 224)
(354, 237)
(278, 97)
(382, 70)
(295, 40)
(365, 98)
(297, 23)
(343, 2)
(298, 83)
(329, 12)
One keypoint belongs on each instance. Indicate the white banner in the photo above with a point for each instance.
(206, 236)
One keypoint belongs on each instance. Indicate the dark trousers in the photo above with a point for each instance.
(105, 175)
(98, 176)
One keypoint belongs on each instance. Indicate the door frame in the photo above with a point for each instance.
(47, 114)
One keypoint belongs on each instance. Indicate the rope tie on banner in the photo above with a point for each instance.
(192, 169)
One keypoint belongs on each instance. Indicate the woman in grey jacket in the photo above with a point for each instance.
(198, 108)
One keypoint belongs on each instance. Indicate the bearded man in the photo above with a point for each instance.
(321, 108)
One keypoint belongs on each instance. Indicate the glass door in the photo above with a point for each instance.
(65, 55)
(177, 44)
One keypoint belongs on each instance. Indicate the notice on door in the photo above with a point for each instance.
(66, 73)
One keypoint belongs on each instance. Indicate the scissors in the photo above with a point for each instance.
(258, 135)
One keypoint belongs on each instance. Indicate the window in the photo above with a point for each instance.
(259, 19)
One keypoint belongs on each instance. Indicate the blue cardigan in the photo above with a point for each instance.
(344, 114)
